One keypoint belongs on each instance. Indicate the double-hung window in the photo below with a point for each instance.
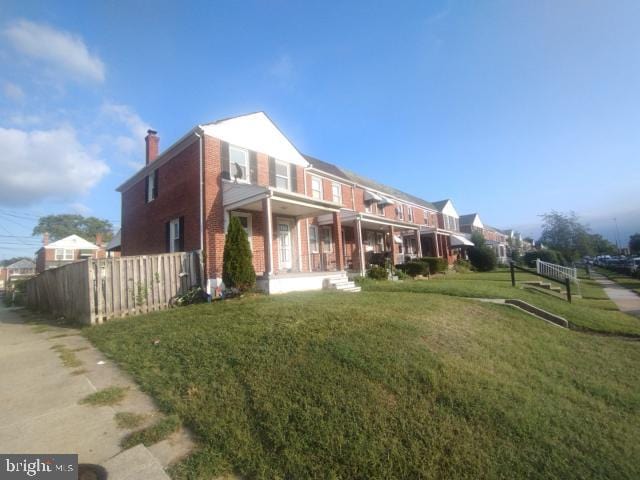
(316, 187)
(399, 212)
(152, 186)
(410, 214)
(239, 164)
(327, 241)
(314, 241)
(174, 235)
(64, 254)
(336, 191)
(426, 217)
(283, 177)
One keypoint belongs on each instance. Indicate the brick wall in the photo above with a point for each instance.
(143, 224)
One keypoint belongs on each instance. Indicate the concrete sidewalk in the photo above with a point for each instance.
(39, 397)
(626, 300)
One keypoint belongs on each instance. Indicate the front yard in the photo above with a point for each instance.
(390, 383)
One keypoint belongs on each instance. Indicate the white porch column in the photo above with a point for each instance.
(435, 237)
(268, 237)
(360, 245)
(299, 244)
(419, 243)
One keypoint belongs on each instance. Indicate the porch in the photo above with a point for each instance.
(370, 239)
(277, 223)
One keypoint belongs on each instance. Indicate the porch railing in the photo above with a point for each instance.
(556, 271)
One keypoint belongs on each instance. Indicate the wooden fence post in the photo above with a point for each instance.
(513, 274)
(567, 282)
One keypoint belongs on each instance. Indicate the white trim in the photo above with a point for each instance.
(299, 241)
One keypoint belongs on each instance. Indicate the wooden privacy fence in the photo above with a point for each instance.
(94, 291)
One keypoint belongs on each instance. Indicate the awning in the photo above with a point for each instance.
(386, 201)
(397, 238)
(368, 196)
(460, 241)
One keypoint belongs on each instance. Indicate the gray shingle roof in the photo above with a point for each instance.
(24, 263)
(366, 182)
(467, 219)
(440, 204)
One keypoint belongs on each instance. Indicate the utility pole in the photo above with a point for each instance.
(615, 220)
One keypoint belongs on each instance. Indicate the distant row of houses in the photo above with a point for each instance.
(56, 254)
(306, 219)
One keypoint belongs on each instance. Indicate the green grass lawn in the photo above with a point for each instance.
(593, 312)
(386, 384)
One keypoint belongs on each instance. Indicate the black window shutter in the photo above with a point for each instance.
(155, 183)
(181, 242)
(272, 171)
(167, 235)
(146, 189)
(294, 178)
(224, 159)
(253, 167)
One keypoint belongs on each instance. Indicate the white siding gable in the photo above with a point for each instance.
(449, 210)
(258, 133)
(477, 222)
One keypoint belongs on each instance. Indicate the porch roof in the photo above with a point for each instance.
(374, 221)
(249, 197)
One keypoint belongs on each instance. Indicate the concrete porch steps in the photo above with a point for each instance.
(546, 286)
(342, 283)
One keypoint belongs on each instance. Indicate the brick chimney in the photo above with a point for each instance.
(99, 239)
(153, 141)
(45, 238)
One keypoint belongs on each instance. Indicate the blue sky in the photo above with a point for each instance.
(511, 109)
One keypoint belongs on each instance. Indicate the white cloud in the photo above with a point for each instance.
(61, 50)
(129, 144)
(45, 165)
(13, 92)
(23, 120)
(80, 208)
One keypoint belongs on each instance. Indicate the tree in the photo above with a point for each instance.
(478, 239)
(634, 243)
(237, 267)
(565, 233)
(63, 225)
(601, 245)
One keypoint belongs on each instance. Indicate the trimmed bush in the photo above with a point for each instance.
(413, 269)
(237, 267)
(482, 259)
(378, 273)
(436, 264)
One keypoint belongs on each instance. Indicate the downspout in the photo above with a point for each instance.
(306, 222)
(200, 168)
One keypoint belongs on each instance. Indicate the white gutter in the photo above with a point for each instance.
(200, 167)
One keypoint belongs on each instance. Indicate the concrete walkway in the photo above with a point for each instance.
(626, 300)
(39, 399)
